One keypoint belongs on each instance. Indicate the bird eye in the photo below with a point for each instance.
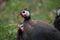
(23, 11)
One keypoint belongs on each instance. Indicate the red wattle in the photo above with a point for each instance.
(23, 15)
(19, 29)
(22, 30)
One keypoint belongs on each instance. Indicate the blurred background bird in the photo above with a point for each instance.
(57, 19)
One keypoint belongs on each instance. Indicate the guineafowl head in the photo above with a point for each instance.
(20, 27)
(25, 14)
(58, 12)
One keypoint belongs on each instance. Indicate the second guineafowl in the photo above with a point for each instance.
(20, 31)
(57, 19)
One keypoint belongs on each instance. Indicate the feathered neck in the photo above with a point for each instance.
(57, 17)
(27, 19)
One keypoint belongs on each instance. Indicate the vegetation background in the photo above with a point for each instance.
(9, 9)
